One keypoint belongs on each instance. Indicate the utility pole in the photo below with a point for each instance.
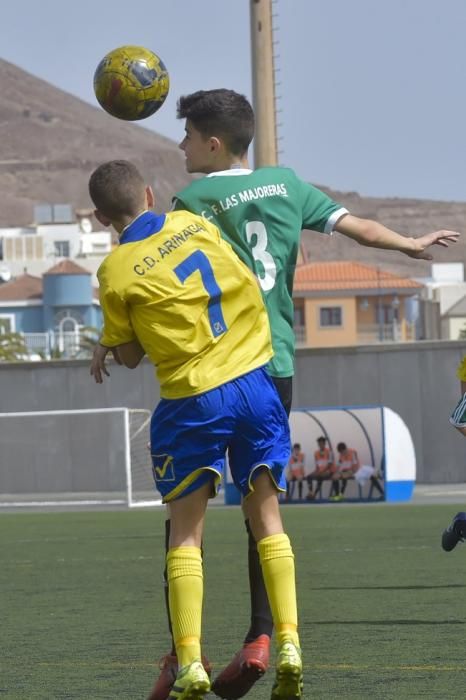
(263, 83)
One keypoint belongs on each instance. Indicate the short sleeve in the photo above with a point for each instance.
(117, 324)
(319, 211)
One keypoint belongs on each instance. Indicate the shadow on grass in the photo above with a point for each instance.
(388, 588)
(381, 623)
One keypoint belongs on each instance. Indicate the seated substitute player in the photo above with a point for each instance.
(261, 214)
(456, 531)
(324, 467)
(295, 472)
(175, 290)
(346, 467)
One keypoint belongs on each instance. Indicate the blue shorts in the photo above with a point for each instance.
(190, 437)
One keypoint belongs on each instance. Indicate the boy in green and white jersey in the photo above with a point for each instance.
(261, 214)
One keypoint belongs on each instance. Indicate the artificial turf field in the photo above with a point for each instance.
(382, 607)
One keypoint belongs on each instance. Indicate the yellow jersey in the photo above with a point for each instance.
(461, 371)
(176, 286)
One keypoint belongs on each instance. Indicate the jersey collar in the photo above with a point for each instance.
(143, 226)
(232, 171)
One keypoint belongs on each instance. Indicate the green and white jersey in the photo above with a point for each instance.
(261, 214)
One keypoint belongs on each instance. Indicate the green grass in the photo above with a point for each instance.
(382, 607)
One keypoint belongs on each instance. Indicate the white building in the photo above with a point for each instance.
(56, 234)
(447, 288)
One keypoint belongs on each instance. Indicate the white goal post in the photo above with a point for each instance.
(88, 457)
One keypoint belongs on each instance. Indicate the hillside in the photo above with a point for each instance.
(51, 141)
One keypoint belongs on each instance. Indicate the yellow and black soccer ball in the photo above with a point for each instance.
(131, 83)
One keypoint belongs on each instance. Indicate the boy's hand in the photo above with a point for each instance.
(443, 238)
(98, 368)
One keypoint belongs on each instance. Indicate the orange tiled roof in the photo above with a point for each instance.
(21, 288)
(341, 275)
(67, 267)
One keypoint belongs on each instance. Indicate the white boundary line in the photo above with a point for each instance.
(60, 413)
(58, 504)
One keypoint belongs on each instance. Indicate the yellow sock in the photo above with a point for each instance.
(185, 591)
(277, 561)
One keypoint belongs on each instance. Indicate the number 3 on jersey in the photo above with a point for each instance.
(256, 235)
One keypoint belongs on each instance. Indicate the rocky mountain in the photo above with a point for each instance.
(51, 141)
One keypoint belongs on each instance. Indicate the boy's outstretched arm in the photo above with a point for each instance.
(370, 233)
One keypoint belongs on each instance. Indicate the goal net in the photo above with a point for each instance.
(81, 457)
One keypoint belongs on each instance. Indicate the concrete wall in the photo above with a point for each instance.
(415, 380)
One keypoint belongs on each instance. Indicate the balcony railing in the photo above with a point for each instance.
(396, 332)
(56, 345)
(300, 335)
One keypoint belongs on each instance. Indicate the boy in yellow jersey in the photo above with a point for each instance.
(456, 531)
(174, 290)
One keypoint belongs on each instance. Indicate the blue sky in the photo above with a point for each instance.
(371, 91)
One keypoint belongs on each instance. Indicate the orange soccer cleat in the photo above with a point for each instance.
(246, 667)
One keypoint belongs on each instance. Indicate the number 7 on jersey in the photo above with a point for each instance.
(199, 261)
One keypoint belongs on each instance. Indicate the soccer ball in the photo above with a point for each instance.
(131, 83)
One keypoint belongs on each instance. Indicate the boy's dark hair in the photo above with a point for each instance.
(296, 446)
(222, 113)
(341, 447)
(117, 189)
(321, 439)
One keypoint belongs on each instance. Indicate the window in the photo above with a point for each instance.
(7, 323)
(298, 319)
(68, 325)
(330, 316)
(386, 313)
(68, 321)
(62, 249)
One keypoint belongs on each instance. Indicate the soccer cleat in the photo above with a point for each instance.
(168, 672)
(455, 532)
(247, 666)
(191, 683)
(289, 674)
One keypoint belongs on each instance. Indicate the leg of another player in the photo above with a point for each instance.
(344, 482)
(182, 670)
(455, 532)
(252, 660)
(277, 561)
(376, 484)
(185, 586)
(335, 489)
(300, 489)
(250, 663)
(169, 663)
